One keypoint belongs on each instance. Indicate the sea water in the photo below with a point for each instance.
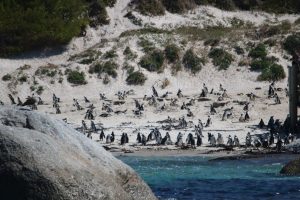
(179, 177)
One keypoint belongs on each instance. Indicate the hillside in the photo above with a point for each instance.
(242, 50)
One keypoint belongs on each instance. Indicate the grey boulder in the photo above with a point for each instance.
(43, 158)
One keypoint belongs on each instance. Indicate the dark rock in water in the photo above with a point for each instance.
(292, 168)
(43, 158)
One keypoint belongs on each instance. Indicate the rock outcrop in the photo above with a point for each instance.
(292, 168)
(43, 158)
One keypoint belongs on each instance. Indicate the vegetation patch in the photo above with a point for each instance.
(270, 70)
(23, 79)
(150, 7)
(172, 53)
(191, 61)
(144, 31)
(273, 72)
(108, 68)
(153, 62)
(178, 6)
(221, 58)
(136, 78)
(129, 69)
(76, 77)
(133, 19)
(110, 54)
(6, 77)
(37, 24)
(40, 90)
(85, 58)
(146, 45)
(211, 42)
(292, 43)
(129, 55)
(260, 51)
(239, 50)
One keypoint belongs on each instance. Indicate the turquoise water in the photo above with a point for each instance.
(197, 178)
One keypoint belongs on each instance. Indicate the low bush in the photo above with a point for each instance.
(191, 61)
(260, 51)
(108, 67)
(86, 61)
(172, 53)
(211, 42)
(40, 90)
(150, 7)
(257, 65)
(273, 72)
(221, 58)
(239, 50)
(110, 54)
(178, 6)
(133, 19)
(153, 62)
(129, 55)
(292, 43)
(129, 68)
(76, 77)
(23, 78)
(6, 77)
(146, 45)
(136, 78)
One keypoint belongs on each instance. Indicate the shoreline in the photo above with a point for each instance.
(213, 155)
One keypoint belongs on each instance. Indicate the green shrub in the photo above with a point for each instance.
(224, 4)
(96, 11)
(34, 24)
(23, 78)
(259, 51)
(239, 50)
(153, 62)
(129, 69)
(271, 42)
(129, 55)
(172, 53)
(221, 58)
(274, 72)
(211, 42)
(32, 88)
(6, 77)
(136, 78)
(86, 61)
(285, 26)
(297, 21)
(178, 6)
(150, 7)
(110, 3)
(108, 67)
(76, 77)
(134, 19)
(272, 31)
(110, 54)
(257, 65)
(191, 61)
(40, 90)
(146, 45)
(292, 43)
(37, 24)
